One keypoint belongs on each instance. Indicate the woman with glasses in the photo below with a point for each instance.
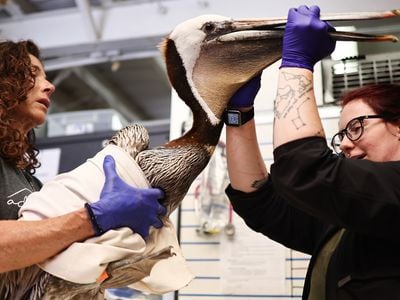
(373, 133)
(343, 210)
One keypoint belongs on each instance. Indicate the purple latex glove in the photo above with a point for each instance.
(122, 205)
(245, 95)
(306, 39)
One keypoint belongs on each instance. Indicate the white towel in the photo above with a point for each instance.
(84, 262)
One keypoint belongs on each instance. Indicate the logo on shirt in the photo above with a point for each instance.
(18, 198)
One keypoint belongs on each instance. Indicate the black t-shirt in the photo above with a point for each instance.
(15, 186)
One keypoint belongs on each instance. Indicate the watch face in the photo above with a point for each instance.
(233, 118)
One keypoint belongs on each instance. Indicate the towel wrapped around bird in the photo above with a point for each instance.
(85, 262)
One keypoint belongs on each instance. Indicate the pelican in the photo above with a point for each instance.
(208, 58)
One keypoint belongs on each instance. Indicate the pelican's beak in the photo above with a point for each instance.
(236, 50)
(273, 27)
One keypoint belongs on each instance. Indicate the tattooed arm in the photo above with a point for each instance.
(305, 42)
(295, 109)
(246, 167)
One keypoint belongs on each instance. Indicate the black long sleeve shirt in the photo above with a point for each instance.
(311, 194)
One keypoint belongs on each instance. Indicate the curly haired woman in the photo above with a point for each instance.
(24, 102)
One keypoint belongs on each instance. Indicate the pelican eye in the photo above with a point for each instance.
(209, 27)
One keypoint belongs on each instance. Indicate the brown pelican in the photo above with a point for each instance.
(207, 59)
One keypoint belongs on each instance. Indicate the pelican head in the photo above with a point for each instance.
(209, 57)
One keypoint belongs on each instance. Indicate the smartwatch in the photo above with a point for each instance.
(235, 117)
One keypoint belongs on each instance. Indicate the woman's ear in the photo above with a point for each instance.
(394, 128)
(398, 130)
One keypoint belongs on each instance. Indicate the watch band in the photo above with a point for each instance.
(235, 117)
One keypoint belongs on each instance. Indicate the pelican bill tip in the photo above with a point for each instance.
(384, 38)
(396, 12)
(388, 38)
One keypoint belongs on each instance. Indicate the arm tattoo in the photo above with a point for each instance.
(259, 183)
(289, 98)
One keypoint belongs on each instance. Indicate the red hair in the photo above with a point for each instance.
(384, 99)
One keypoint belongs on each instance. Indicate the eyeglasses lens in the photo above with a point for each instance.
(354, 129)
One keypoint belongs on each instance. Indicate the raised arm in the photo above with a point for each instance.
(305, 42)
(246, 167)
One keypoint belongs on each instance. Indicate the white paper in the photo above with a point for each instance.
(251, 263)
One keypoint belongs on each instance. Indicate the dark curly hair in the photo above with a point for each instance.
(16, 80)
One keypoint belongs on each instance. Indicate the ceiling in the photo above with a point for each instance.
(99, 75)
(103, 53)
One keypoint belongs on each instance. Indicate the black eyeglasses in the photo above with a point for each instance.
(353, 130)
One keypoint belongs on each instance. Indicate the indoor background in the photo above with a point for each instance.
(103, 58)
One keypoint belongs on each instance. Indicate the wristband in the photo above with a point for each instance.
(92, 218)
(235, 117)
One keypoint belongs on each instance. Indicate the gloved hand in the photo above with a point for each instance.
(245, 95)
(122, 205)
(306, 39)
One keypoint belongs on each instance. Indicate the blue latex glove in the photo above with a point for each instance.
(122, 205)
(306, 39)
(245, 95)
